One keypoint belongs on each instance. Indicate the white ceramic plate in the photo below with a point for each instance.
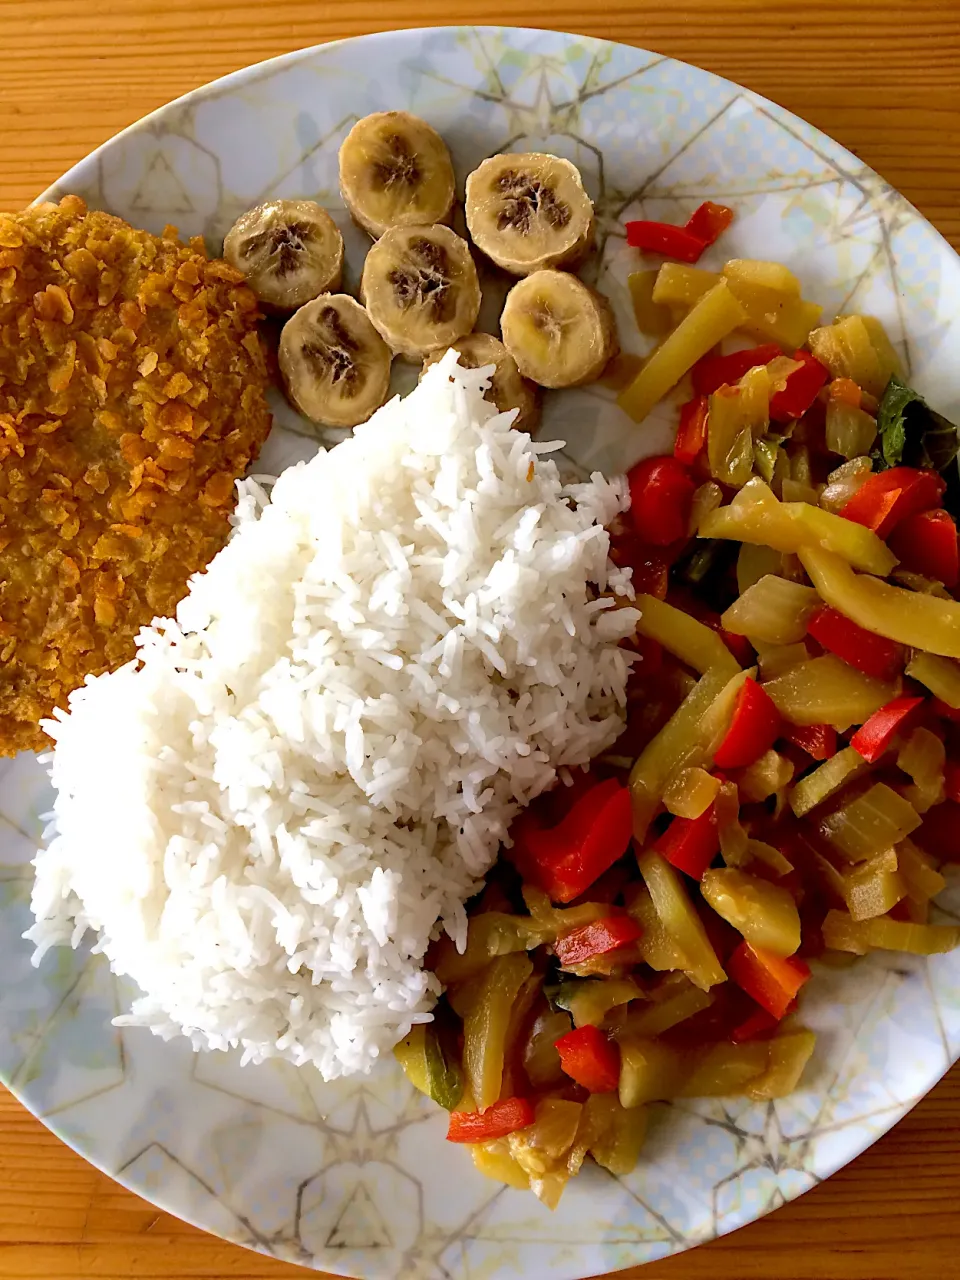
(355, 1177)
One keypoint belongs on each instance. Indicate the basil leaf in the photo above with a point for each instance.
(912, 434)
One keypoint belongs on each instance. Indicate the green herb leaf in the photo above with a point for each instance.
(911, 433)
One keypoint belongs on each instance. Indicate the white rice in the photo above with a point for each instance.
(268, 816)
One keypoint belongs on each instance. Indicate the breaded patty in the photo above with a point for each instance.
(132, 386)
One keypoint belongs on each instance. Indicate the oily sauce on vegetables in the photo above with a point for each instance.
(787, 786)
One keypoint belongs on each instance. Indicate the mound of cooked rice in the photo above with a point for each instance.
(269, 815)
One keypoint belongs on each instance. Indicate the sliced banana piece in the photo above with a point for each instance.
(395, 171)
(528, 212)
(420, 288)
(508, 389)
(334, 364)
(289, 250)
(560, 333)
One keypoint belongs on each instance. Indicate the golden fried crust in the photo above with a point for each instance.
(132, 389)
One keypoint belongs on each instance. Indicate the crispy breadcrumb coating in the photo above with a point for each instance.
(132, 386)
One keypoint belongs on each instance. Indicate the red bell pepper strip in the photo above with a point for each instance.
(951, 780)
(587, 1056)
(802, 388)
(872, 654)
(875, 735)
(939, 832)
(703, 228)
(888, 497)
(692, 431)
(661, 494)
(665, 238)
(691, 844)
(596, 939)
(564, 860)
(758, 1024)
(497, 1121)
(754, 727)
(709, 221)
(710, 373)
(819, 741)
(773, 981)
(739, 646)
(927, 543)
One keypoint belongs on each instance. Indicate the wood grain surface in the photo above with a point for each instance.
(881, 77)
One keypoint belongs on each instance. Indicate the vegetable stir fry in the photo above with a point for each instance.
(788, 784)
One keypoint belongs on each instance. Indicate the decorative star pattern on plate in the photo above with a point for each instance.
(355, 1177)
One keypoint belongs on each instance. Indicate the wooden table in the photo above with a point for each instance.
(882, 78)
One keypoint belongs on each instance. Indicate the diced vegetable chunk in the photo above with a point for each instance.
(922, 622)
(754, 728)
(789, 1053)
(771, 276)
(842, 933)
(485, 1027)
(940, 675)
(692, 430)
(774, 610)
(870, 823)
(430, 1066)
(680, 919)
(566, 859)
(926, 543)
(871, 888)
(796, 526)
(590, 1058)
(541, 1061)
(613, 1134)
(681, 634)
(870, 653)
(596, 939)
(661, 491)
(496, 1121)
(678, 286)
(800, 390)
(651, 318)
(736, 416)
(764, 913)
(654, 1017)
(887, 498)
(827, 691)
(715, 315)
(848, 352)
(819, 741)
(773, 981)
(919, 873)
(826, 781)
(691, 844)
(679, 742)
(689, 793)
(876, 734)
(493, 1160)
(713, 372)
